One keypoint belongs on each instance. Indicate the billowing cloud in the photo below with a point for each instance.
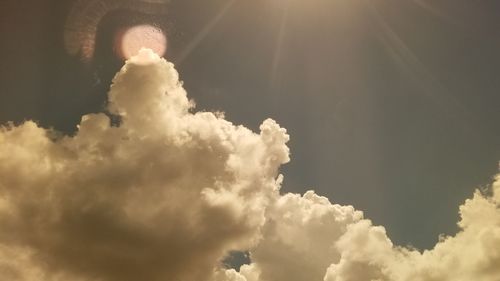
(168, 193)
(473, 254)
(308, 238)
(163, 196)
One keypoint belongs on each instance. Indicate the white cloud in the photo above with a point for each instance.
(299, 237)
(472, 254)
(168, 193)
(163, 196)
(307, 238)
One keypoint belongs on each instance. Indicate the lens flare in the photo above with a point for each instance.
(83, 20)
(130, 41)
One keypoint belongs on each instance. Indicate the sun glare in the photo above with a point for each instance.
(129, 41)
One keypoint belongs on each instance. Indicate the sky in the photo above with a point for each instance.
(389, 106)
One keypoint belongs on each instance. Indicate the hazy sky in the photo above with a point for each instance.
(392, 106)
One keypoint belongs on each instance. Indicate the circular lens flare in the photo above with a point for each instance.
(131, 40)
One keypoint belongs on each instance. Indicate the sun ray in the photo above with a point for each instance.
(279, 46)
(410, 64)
(435, 11)
(196, 41)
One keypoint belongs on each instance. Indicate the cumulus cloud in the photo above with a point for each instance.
(472, 254)
(168, 193)
(308, 238)
(163, 196)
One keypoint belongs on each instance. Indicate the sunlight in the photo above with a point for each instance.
(279, 45)
(195, 42)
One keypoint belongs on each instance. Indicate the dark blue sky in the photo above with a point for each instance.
(392, 106)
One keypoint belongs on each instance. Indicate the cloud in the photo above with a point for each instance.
(168, 193)
(163, 196)
(472, 254)
(308, 238)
